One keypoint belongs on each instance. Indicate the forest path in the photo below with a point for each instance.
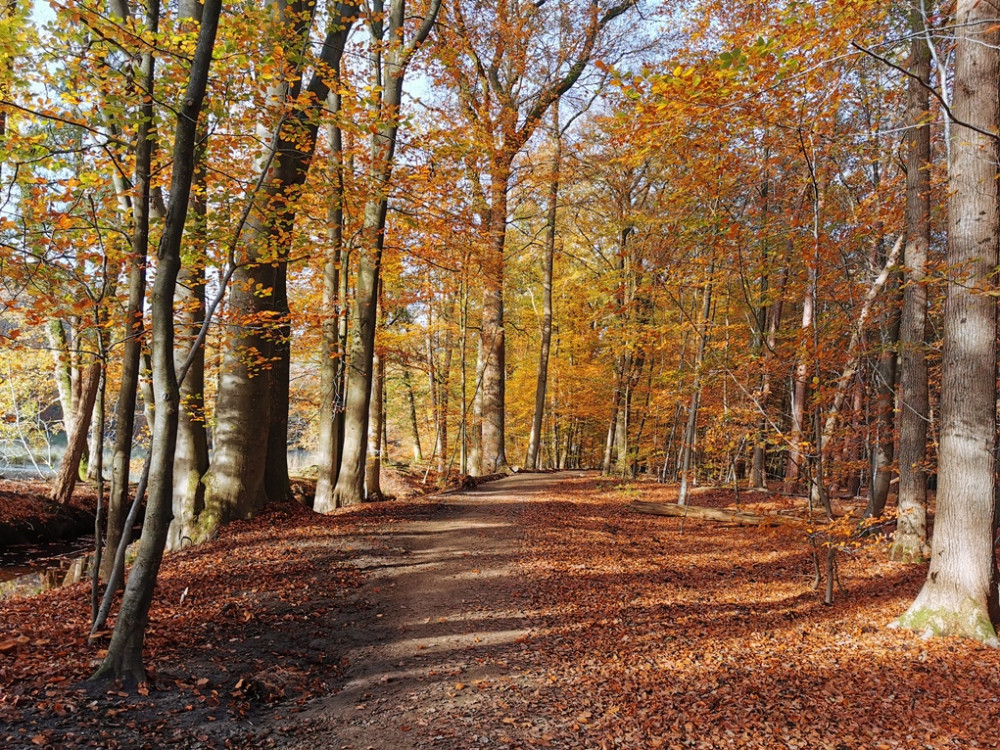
(449, 618)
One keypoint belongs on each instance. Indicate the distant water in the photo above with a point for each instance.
(28, 569)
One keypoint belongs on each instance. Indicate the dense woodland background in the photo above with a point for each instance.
(713, 243)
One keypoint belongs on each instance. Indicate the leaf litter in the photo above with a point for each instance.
(594, 627)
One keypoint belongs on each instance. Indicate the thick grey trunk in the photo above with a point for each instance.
(376, 426)
(493, 454)
(390, 54)
(959, 596)
(350, 488)
(191, 452)
(249, 464)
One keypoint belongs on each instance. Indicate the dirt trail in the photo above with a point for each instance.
(448, 620)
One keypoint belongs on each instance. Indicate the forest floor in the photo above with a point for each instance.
(536, 611)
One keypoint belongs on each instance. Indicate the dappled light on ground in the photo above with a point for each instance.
(546, 614)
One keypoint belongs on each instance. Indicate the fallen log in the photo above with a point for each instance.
(726, 515)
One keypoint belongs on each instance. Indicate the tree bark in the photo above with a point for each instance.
(793, 468)
(691, 432)
(959, 596)
(191, 452)
(910, 542)
(332, 353)
(249, 464)
(124, 658)
(493, 452)
(758, 471)
(531, 461)
(69, 467)
(373, 467)
(389, 62)
(418, 454)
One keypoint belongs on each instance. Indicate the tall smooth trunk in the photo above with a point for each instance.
(793, 464)
(249, 464)
(960, 595)
(493, 453)
(124, 657)
(910, 542)
(545, 334)
(191, 451)
(376, 425)
(691, 432)
(332, 353)
(390, 55)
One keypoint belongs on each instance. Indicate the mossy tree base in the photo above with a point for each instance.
(970, 619)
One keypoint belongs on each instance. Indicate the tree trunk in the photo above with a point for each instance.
(494, 457)
(69, 467)
(249, 464)
(758, 471)
(332, 353)
(390, 55)
(531, 461)
(959, 596)
(276, 482)
(910, 542)
(373, 467)
(432, 380)
(616, 405)
(121, 451)
(691, 433)
(885, 407)
(191, 452)
(124, 657)
(793, 468)
(350, 488)
(624, 423)
(443, 379)
(418, 454)
(62, 361)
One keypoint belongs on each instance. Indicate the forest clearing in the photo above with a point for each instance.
(537, 611)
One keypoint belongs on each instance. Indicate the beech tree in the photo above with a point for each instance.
(249, 463)
(910, 542)
(488, 59)
(390, 52)
(960, 595)
(124, 657)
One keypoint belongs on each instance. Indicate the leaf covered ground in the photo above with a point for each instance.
(27, 515)
(538, 611)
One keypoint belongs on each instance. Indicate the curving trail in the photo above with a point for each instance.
(448, 621)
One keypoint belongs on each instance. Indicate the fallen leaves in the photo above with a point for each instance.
(665, 633)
